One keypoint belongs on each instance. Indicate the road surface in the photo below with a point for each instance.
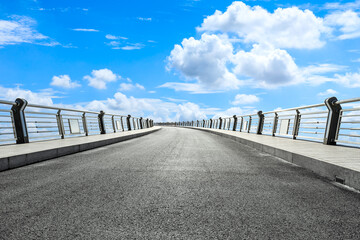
(176, 183)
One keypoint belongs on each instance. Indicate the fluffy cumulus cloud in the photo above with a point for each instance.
(285, 28)
(63, 81)
(21, 29)
(99, 78)
(44, 97)
(222, 58)
(347, 22)
(267, 66)
(206, 61)
(245, 99)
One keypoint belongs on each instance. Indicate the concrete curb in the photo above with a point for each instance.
(325, 169)
(11, 162)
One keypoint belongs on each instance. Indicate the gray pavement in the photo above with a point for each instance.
(176, 183)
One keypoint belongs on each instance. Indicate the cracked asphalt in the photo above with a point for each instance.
(176, 183)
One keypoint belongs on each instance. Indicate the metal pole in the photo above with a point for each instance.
(235, 122)
(220, 122)
(122, 124)
(85, 125)
(128, 122)
(333, 121)
(60, 124)
(296, 124)
(260, 123)
(249, 125)
(275, 123)
(101, 122)
(113, 123)
(20, 121)
(141, 123)
(241, 124)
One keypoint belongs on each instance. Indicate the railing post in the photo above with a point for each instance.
(85, 125)
(122, 124)
(147, 123)
(296, 124)
(241, 124)
(60, 124)
(211, 123)
(275, 123)
(101, 122)
(128, 122)
(249, 125)
(220, 122)
(113, 123)
(260, 123)
(332, 122)
(235, 122)
(141, 123)
(20, 121)
(134, 125)
(203, 123)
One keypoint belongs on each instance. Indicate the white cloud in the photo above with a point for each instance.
(41, 98)
(128, 46)
(245, 99)
(112, 37)
(342, 6)
(206, 61)
(63, 81)
(328, 92)
(188, 87)
(322, 68)
(348, 23)
(144, 19)
(285, 27)
(156, 109)
(85, 30)
(99, 78)
(234, 111)
(351, 80)
(134, 46)
(129, 86)
(21, 30)
(267, 66)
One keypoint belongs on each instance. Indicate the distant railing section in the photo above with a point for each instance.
(21, 122)
(330, 122)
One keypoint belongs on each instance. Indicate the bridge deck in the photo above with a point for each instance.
(175, 183)
(327, 160)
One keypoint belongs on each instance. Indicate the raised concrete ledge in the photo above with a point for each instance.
(327, 161)
(17, 155)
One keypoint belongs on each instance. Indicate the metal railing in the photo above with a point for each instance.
(330, 122)
(21, 122)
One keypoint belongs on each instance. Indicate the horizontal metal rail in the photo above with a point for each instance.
(336, 121)
(27, 122)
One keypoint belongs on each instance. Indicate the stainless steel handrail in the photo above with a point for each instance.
(297, 124)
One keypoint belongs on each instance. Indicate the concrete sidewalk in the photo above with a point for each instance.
(337, 163)
(17, 155)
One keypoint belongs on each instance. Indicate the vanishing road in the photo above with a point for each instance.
(176, 183)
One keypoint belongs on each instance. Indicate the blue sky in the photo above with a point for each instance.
(179, 60)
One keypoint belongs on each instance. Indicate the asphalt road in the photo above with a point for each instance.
(173, 184)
